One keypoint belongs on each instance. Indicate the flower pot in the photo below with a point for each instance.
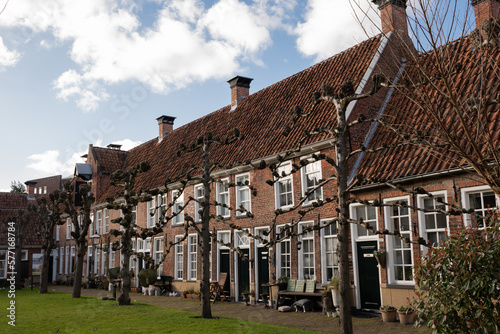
(389, 316)
(406, 318)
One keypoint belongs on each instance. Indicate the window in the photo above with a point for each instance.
(199, 194)
(222, 191)
(72, 260)
(61, 260)
(402, 260)
(151, 213)
(179, 257)
(243, 194)
(311, 174)
(66, 265)
(134, 216)
(481, 199)
(58, 227)
(24, 255)
(158, 254)
(369, 216)
(96, 261)
(263, 233)
(177, 208)
(34, 190)
(329, 246)
(106, 221)
(434, 225)
(284, 187)
(306, 253)
(89, 260)
(192, 259)
(44, 189)
(98, 223)
(91, 227)
(242, 239)
(284, 254)
(112, 258)
(68, 228)
(3, 264)
(162, 203)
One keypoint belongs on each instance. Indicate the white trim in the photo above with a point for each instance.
(242, 188)
(421, 216)
(190, 276)
(464, 192)
(158, 252)
(324, 277)
(258, 244)
(66, 264)
(354, 227)
(197, 206)
(105, 221)
(151, 220)
(300, 255)
(224, 212)
(278, 253)
(178, 247)
(179, 219)
(391, 277)
(303, 178)
(286, 167)
(221, 247)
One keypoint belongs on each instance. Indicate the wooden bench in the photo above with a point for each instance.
(300, 289)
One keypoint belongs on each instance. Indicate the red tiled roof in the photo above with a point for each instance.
(109, 160)
(405, 161)
(10, 204)
(260, 117)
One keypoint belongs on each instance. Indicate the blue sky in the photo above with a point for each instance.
(74, 73)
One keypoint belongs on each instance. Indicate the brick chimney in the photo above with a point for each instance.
(165, 125)
(393, 16)
(240, 88)
(484, 10)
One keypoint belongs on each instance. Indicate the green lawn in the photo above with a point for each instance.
(57, 312)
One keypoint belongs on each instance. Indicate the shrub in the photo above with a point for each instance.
(458, 284)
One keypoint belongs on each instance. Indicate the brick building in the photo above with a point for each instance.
(260, 117)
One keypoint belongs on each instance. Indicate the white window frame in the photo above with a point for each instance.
(247, 204)
(72, 260)
(89, 258)
(306, 238)
(112, 258)
(354, 227)
(3, 265)
(158, 254)
(134, 216)
(98, 225)
(105, 225)
(279, 254)
(24, 255)
(198, 197)
(465, 192)
(66, 264)
(304, 173)
(151, 208)
(391, 241)
(91, 227)
(220, 247)
(58, 227)
(61, 260)
(179, 258)
(324, 254)
(179, 202)
(223, 196)
(162, 206)
(286, 167)
(422, 216)
(97, 260)
(68, 228)
(192, 257)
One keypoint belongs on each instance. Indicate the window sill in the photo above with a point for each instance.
(241, 216)
(402, 286)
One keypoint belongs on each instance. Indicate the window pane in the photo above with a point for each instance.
(372, 213)
(405, 224)
(430, 221)
(441, 220)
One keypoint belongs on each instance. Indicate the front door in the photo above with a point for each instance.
(263, 267)
(243, 272)
(369, 285)
(224, 267)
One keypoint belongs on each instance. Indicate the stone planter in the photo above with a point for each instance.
(406, 318)
(389, 316)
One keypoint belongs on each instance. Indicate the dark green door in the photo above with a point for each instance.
(263, 267)
(243, 272)
(224, 267)
(369, 285)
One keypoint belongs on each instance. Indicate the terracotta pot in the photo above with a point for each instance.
(389, 316)
(406, 318)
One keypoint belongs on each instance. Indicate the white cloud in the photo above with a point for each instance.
(7, 57)
(332, 26)
(187, 43)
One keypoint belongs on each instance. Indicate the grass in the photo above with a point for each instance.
(57, 312)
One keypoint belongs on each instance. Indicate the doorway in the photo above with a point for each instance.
(369, 284)
(263, 269)
(224, 267)
(243, 272)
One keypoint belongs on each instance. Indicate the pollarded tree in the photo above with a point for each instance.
(47, 214)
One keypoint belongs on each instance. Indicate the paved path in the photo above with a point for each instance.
(314, 321)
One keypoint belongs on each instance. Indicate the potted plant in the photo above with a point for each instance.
(381, 257)
(185, 293)
(406, 315)
(196, 295)
(388, 313)
(282, 282)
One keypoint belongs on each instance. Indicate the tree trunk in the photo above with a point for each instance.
(343, 234)
(124, 298)
(77, 286)
(44, 279)
(206, 310)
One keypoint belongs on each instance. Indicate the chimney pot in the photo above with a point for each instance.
(240, 88)
(165, 125)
